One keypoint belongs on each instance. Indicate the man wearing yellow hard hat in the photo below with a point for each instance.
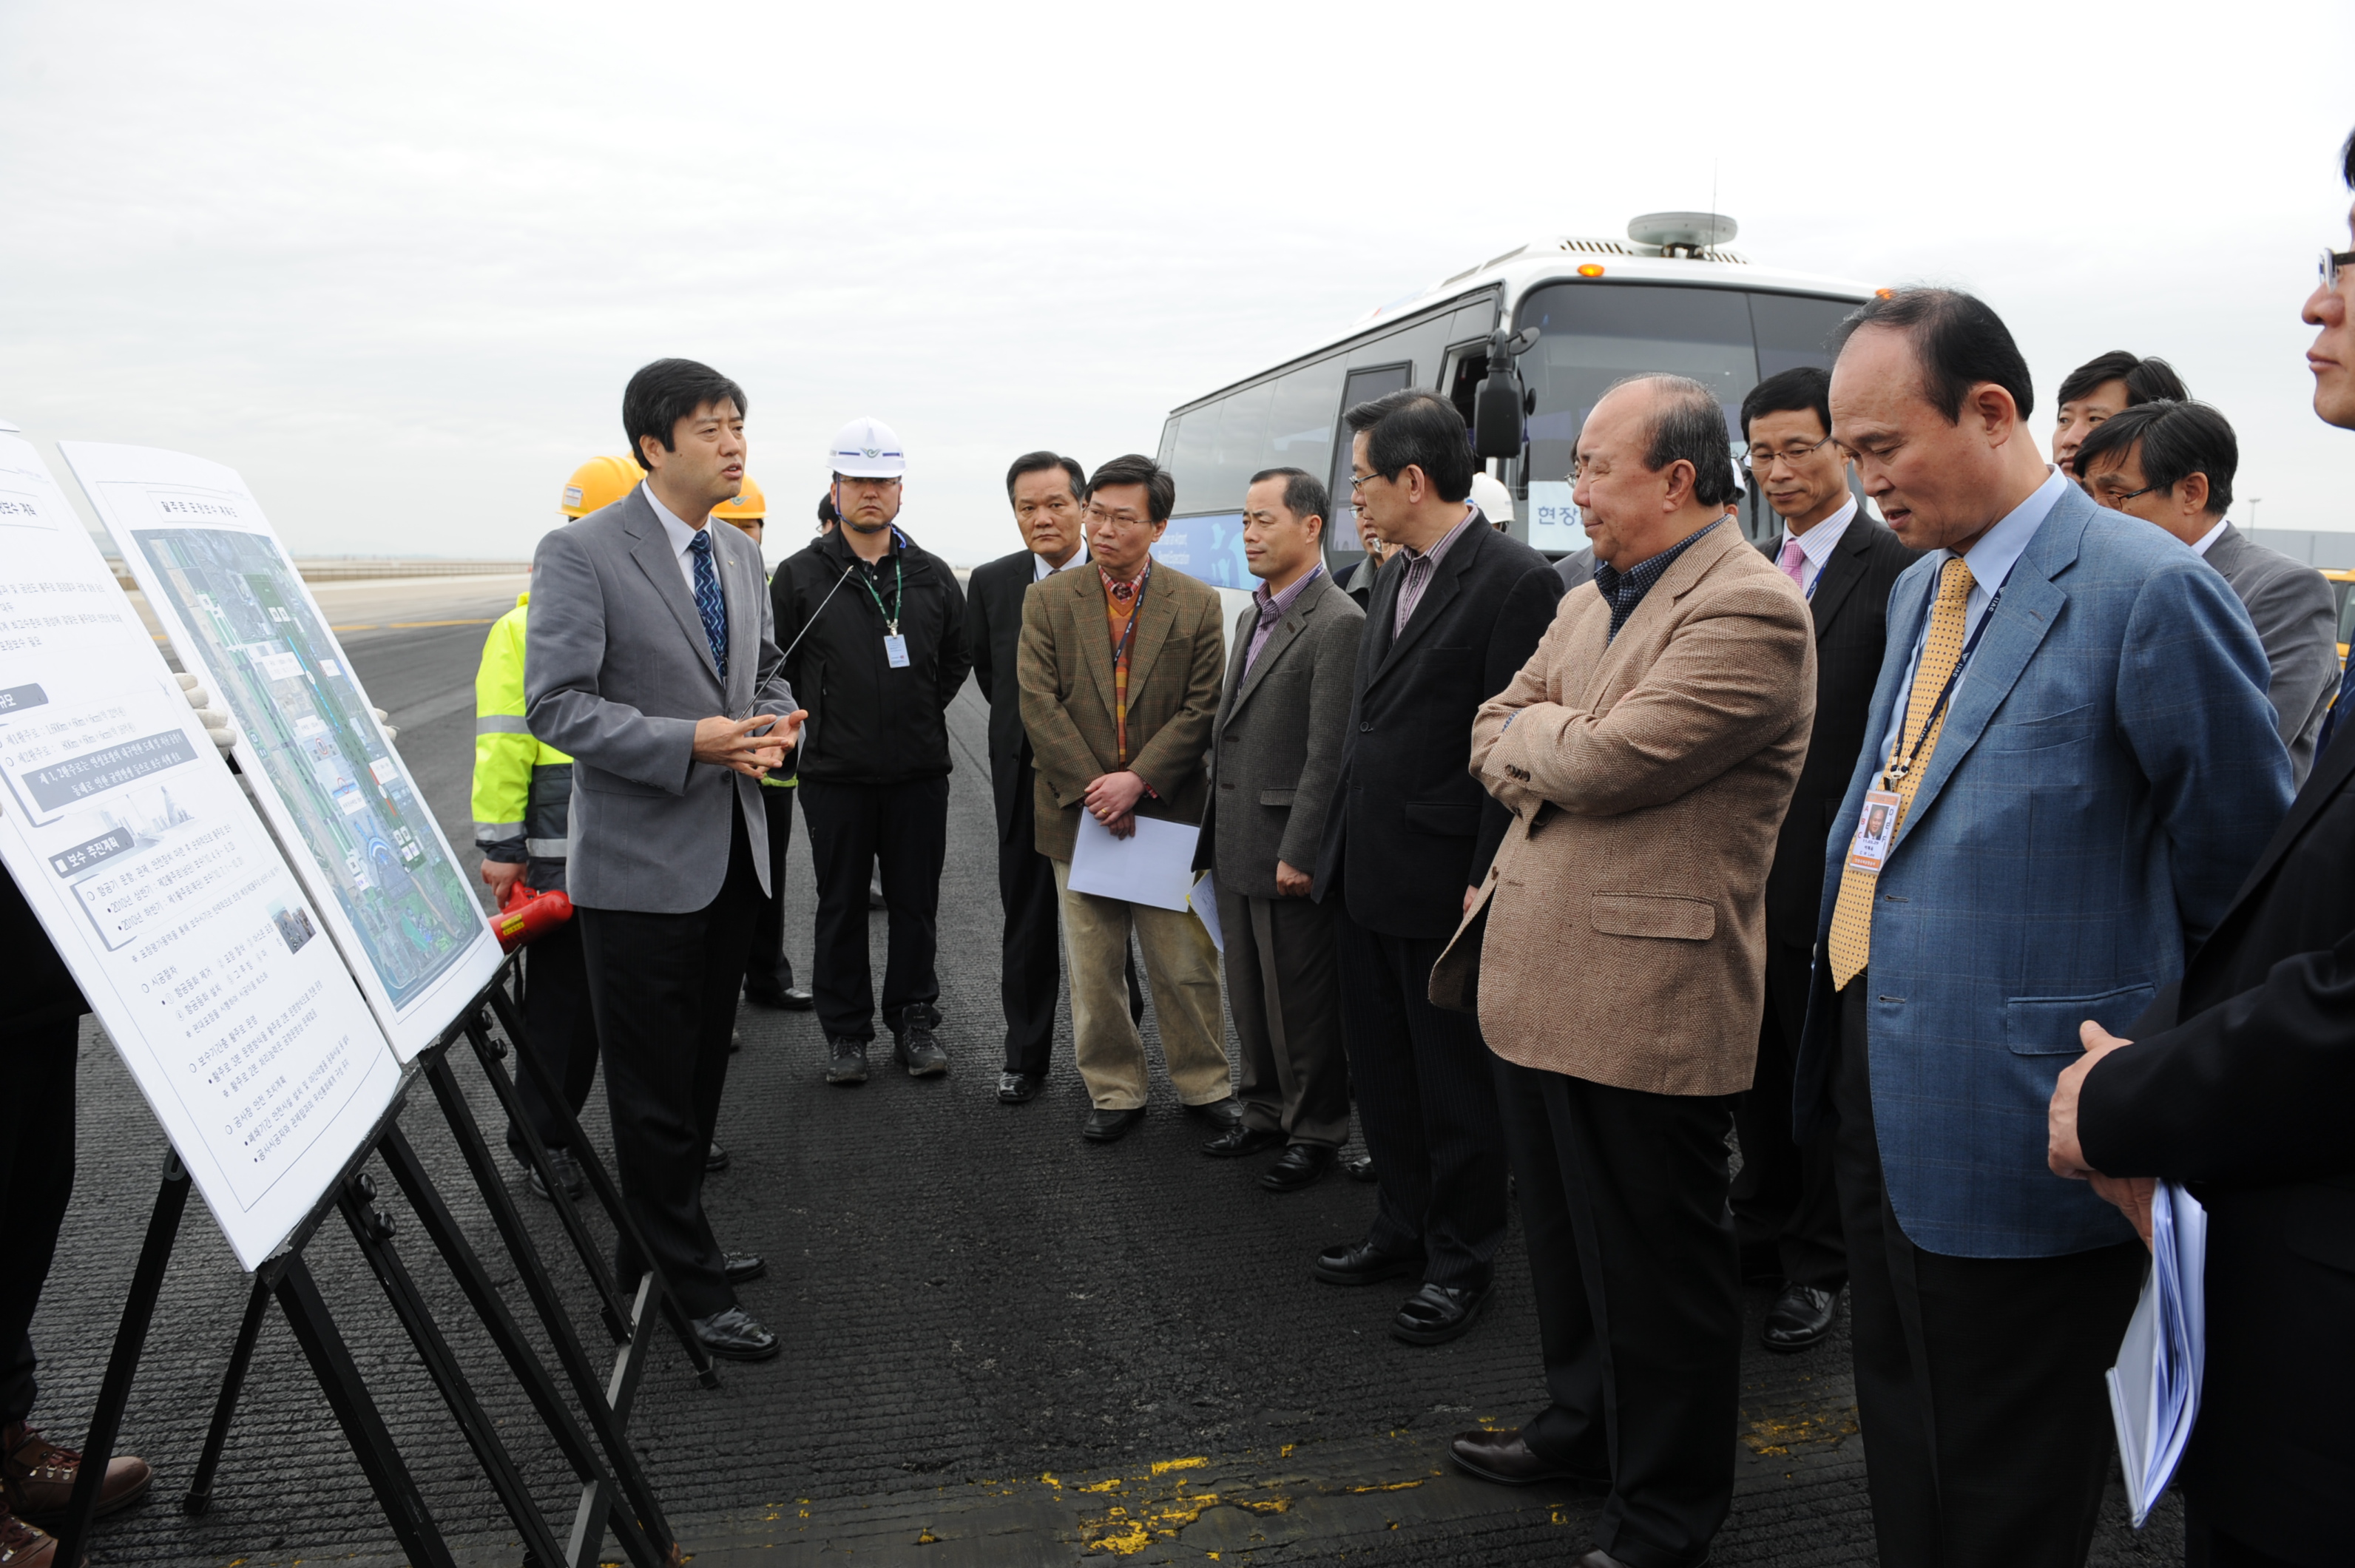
(768, 973)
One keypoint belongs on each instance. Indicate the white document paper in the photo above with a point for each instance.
(2155, 1387)
(239, 616)
(1154, 867)
(1205, 901)
(161, 890)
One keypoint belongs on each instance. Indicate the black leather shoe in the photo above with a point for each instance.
(849, 1062)
(1110, 1126)
(736, 1335)
(1598, 1558)
(1221, 1114)
(1437, 1313)
(785, 998)
(1239, 1140)
(715, 1160)
(568, 1173)
(743, 1268)
(1799, 1318)
(1359, 1168)
(1506, 1458)
(735, 1040)
(1302, 1164)
(875, 891)
(1362, 1262)
(1019, 1088)
(920, 1053)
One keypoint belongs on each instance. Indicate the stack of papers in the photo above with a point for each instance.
(2155, 1387)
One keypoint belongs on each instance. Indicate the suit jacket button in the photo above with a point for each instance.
(1365, 727)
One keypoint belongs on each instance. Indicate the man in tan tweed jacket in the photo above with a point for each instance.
(1119, 670)
(1647, 750)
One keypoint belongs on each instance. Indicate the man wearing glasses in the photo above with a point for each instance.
(1785, 1209)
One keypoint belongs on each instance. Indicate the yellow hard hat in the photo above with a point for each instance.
(599, 482)
(748, 506)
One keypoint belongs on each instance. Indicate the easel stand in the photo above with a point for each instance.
(615, 1492)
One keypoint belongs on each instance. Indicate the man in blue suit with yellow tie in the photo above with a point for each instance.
(2074, 763)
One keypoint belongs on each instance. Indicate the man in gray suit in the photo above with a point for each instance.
(650, 660)
(1274, 752)
(2171, 463)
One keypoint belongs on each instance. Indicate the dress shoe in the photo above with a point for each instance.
(1019, 1088)
(22, 1546)
(1799, 1318)
(1598, 1558)
(1362, 1262)
(787, 999)
(919, 1052)
(568, 1175)
(1223, 1114)
(1239, 1140)
(736, 1335)
(38, 1477)
(1301, 1164)
(715, 1160)
(849, 1064)
(735, 1040)
(1359, 1168)
(743, 1268)
(875, 893)
(1105, 1127)
(1506, 1458)
(1437, 1313)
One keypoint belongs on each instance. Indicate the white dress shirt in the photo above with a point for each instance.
(1040, 570)
(682, 538)
(1816, 546)
(1990, 561)
(2212, 535)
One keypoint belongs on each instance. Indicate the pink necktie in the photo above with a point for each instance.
(1792, 560)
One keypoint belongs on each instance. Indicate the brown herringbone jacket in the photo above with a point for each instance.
(1065, 673)
(1621, 935)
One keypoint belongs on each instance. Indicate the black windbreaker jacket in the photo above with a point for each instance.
(870, 723)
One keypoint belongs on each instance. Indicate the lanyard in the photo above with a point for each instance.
(1128, 631)
(1896, 771)
(898, 596)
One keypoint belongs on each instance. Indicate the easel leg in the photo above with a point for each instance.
(621, 1393)
(130, 1339)
(330, 1361)
(240, 1357)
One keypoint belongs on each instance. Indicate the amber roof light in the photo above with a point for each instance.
(1590, 270)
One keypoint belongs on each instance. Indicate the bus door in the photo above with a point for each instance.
(1342, 549)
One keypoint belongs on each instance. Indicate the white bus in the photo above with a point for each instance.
(1670, 297)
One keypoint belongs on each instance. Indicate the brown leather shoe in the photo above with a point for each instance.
(37, 1477)
(1506, 1458)
(22, 1546)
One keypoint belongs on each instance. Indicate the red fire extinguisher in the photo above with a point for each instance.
(527, 916)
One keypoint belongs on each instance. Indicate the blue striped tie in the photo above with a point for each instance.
(707, 600)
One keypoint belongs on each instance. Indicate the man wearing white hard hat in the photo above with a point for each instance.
(874, 626)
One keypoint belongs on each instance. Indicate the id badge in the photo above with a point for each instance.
(895, 648)
(1868, 851)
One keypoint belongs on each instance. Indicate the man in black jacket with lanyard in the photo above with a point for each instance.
(2237, 1082)
(1407, 842)
(875, 629)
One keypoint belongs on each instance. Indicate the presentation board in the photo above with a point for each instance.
(161, 890)
(394, 895)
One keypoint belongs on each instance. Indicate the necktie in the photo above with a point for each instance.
(1792, 561)
(708, 602)
(1852, 939)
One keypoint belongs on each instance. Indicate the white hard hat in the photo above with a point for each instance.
(866, 449)
(1496, 501)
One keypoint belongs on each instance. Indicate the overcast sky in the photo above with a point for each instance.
(394, 263)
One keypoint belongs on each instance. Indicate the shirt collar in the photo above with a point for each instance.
(1439, 546)
(1819, 542)
(1040, 570)
(1279, 603)
(2212, 535)
(682, 537)
(2000, 547)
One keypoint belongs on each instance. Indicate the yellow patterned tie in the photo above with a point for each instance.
(1852, 939)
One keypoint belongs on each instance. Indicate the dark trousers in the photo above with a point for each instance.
(768, 973)
(1786, 1203)
(1979, 1381)
(1623, 1198)
(1030, 965)
(852, 827)
(562, 1031)
(1281, 989)
(36, 1172)
(664, 987)
(1426, 1103)
(2205, 1546)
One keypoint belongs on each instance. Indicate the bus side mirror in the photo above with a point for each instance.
(1499, 405)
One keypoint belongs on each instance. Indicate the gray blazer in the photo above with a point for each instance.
(617, 671)
(1275, 749)
(2291, 604)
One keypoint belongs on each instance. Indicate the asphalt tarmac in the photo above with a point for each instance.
(1003, 1346)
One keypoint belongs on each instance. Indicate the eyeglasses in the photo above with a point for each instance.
(2116, 500)
(1759, 459)
(2332, 262)
(1358, 482)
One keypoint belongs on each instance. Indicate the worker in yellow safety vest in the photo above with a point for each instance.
(768, 973)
